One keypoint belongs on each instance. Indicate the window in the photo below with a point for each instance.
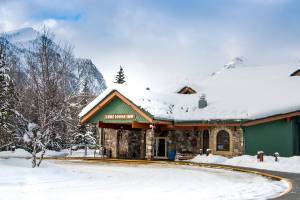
(223, 141)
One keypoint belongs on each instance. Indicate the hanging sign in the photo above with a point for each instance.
(119, 116)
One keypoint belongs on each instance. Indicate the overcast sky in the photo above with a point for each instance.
(161, 41)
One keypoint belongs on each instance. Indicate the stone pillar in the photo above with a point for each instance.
(238, 139)
(111, 141)
(149, 144)
(100, 133)
(143, 144)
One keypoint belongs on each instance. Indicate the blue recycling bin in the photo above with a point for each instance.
(172, 155)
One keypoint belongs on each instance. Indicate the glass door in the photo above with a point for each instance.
(160, 150)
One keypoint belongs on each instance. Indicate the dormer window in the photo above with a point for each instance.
(296, 73)
(187, 90)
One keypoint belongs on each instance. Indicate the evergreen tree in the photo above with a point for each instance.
(85, 138)
(120, 77)
(11, 121)
(3, 88)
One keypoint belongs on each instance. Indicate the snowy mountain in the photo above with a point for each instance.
(22, 35)
(84, 72)
(234, 63)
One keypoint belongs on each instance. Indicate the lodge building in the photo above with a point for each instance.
(239, 111)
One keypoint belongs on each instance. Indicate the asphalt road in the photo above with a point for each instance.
(293, 177)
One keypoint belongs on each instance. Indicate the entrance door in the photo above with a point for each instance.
(160, 147)
(205, 140)
(298, 134)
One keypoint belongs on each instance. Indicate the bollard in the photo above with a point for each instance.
(13, 148)
(208, 151)
(276, 156)
(260, 156)
(201, 152)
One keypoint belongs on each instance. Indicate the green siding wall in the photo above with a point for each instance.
(116, 106)
(278, 136)
(296, 135)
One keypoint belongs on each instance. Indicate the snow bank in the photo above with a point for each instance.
(81, 152)
(290, 164)
(18, 153)
(50, 153)
(209, 159)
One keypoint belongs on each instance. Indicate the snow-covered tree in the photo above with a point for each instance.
(33, 140)
(120, 77)
(46, 81)
(85, 138)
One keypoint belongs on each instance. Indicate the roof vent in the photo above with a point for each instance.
(202, 102)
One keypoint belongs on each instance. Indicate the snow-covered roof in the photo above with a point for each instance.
(232, 94)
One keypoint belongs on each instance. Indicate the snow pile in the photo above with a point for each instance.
(80, 153)
(18, 153)
(290, 164)
(76, 181)
(234, 94)
(21, 153)
(209, 159)
(50, 153)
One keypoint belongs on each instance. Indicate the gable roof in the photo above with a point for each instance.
(99, 103)
(245, 93)
(296, 73)
(187, 90)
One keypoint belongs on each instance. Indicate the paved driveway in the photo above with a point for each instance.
(295, 178)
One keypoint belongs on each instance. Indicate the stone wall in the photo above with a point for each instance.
(138, 144)
(236, 141)
(191, 141)
(124, 143)
(185, 141)
(134, 144)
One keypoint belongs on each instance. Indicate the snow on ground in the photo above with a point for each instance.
(20, 153)
(290, 164)
(71, 180)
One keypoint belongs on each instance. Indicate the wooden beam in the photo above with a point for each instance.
(272, 118)
(162, 122)
(206, 124)
(114, 126)
(138, 125)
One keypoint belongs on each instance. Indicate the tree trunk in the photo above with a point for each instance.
(41, 158)
(85, 150)
(34, 156)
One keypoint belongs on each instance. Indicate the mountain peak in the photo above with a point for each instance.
(21, 35)
(235, 62)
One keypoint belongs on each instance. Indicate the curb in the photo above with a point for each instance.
(184, 163)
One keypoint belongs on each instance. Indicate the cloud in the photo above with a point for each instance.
(166, 41)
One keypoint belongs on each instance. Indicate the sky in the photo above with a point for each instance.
(163, 41)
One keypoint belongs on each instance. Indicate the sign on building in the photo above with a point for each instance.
(120, 116)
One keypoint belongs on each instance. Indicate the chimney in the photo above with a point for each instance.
(202, 102)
